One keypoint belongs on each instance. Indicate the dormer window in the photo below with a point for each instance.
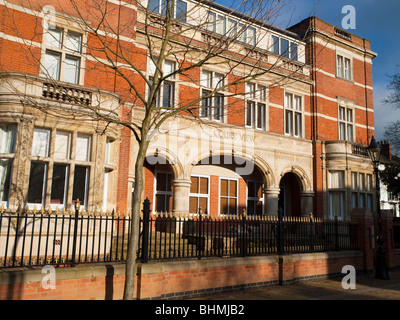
(161, 6)
(231, 28)
(284, 47)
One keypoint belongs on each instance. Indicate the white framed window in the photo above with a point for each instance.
(256, 107)
(37, 183)
(62, 148)
(166, 95)
(107, 159)
(232, 28)
(293, 115)
(81, 185)
(52, 168)
(337, 193)
(362, 190)
(255, 198)
(199, 196)
(228, 196)
(284, 47)
(346, 123)
(212, 104)
(83, 147)
(63, 55)
(163, 192)
(59, 185)
(41, 142)
(160, 7)
(8, 134)
(343, 67)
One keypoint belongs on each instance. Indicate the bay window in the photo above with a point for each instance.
(336, 194)
(52, 168)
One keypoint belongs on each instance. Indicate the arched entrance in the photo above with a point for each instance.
(290, 195)
(226, 185)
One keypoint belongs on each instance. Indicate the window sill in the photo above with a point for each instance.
(345, 79)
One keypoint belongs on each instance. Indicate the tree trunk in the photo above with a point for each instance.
(134, 237)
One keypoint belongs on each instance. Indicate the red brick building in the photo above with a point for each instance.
(292, 139)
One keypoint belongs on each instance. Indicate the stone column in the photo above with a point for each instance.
(306, 203)
(181, 189)
(271, 197)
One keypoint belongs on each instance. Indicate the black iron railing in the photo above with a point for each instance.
(36, 238)
(168, 236)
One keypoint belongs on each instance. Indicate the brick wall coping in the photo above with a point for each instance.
(33, 275)
(164, 267)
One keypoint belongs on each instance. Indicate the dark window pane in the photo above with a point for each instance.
(154, 5)
(5, 178)
(194, 187)
(193, 205)
(36, 182)
(224, 187)
(58, 184)
(203, 205)
(285, 48)
(293, 51)
(275, 44)
(204, 185)
(181, 9)
(168, 95)
(223, 206)
(81, 179)
(160, 203)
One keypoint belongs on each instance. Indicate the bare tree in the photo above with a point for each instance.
(120, 44)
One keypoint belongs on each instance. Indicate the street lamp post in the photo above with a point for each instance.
(381, 271)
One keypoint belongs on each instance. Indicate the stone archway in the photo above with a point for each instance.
(290, 195)
(295, 194)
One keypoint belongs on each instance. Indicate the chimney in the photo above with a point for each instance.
(386, 149)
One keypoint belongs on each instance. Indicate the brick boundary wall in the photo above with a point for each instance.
(177, 279)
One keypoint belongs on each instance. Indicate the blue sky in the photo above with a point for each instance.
(377, 21)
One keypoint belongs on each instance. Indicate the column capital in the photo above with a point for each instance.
(271, 191)
(308, 193)
(181, 183)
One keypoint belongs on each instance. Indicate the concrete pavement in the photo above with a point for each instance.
(367, 288)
